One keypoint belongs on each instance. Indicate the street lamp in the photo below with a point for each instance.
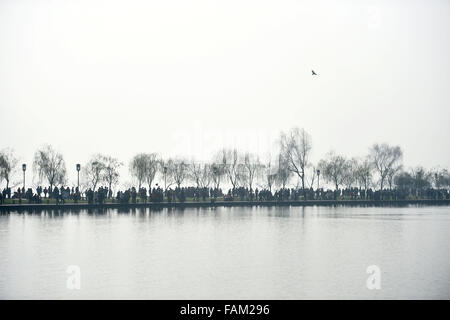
(165, 172)
(318, 177)
(215, 170)
(436, 178)
(78, 173)
(24, 168)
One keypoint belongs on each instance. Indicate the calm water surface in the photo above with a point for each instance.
(227, 253)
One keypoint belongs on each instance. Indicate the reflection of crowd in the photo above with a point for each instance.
(181, 194)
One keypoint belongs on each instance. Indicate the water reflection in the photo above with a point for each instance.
(226, 252)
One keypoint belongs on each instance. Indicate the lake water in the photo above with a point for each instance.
(227, 253)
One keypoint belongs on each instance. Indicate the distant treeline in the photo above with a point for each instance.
(380, 169)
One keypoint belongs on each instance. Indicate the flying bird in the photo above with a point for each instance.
(313, 73)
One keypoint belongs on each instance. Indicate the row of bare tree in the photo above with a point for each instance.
(381, 167)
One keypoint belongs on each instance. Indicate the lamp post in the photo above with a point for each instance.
(165, 172)
(215, 170)
(215, 173)
(436, 180)
(24, 168)
(318, 177)
(78, 174)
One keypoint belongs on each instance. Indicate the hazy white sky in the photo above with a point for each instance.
(189, 77)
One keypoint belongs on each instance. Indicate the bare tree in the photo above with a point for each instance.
(311, 177)
(283, 173)
(179, 171)
(422, 178)
(384, 159)
(350, 172)
(392, 173)
(334, 168)
(166, 167)
(440, 178)
(252, 165)
(2, 165)
(206, 175)
(195, 172)
(242, 173)
(138, 168)
(296, 147)
(93, 171)
(8, 163)
(230, 161)
(364, 172)
(217, 171)
(151, 168)
(270, 174)
(111, 171)
(201, 174)
(49, 164)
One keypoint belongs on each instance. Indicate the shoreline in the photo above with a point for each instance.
(159, 205)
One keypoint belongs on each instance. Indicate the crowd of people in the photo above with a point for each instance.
(296, 194)
(182, 194)
(59, 194)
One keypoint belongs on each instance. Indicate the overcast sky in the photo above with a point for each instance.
(190, 77)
